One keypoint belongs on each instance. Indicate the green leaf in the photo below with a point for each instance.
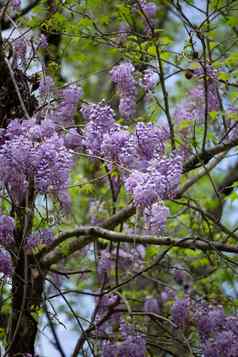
(232, 21)
(186, 123)
(224, 76)
(151, 51)
(213, 115)
(233, 196)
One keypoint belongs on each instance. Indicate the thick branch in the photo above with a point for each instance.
(93, 232)
(205, 156)
(225, 188)
(110, 223)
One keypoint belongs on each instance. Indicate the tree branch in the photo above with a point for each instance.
(110, 223)
(205, 156)
(7, 24)
(91, 233)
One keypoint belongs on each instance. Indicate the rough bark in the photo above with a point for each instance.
(27, 288)
(27, 284)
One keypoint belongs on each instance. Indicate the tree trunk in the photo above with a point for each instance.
(27, 288)
(27, 283)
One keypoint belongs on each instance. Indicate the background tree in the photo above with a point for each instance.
(118, 151)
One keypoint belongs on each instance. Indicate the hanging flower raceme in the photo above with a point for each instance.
(123, 76)
(5, 263)
(123, 32)
(39, 238)
(150, 79)
(7, 227)
(64, 113)
(46, 86)
(217, 331)
(201, 98)
(113, 143)
(34, 154)
(159, 182)
(166, 173)
(149, 141)
(53, 163)
(16, 4)
(100, 119)
(148, 12)
(149, 8)
(100, 114)
(73, 140)
(151, 305)
(181, 312)
(155, 217)
(134, 150)
(20, 47)
(132, 344)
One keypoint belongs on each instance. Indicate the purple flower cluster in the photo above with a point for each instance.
(17, 156)
(159, 182)
(150, 79)
(153, 176)
(5, 263)
(7, 227)
(20, 47)
(46, 86)
(123, 32)
(113, 143)
(100, 118)
(123, 76)
(16, 4)
(225, 345)
(134, 150)
(132, 345)
(104, 304)
(104, 264)
(152, 305)
(206, 70)
(217, 331)
(181, 312)
(65, 111)
(34, 154)
(149, 141)
(142, 187)
(155, 217)
(53, 163)
(209, 320)
(193, 107)
(149, 8)
(36, 239)
(100, 114)
(73, 140)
